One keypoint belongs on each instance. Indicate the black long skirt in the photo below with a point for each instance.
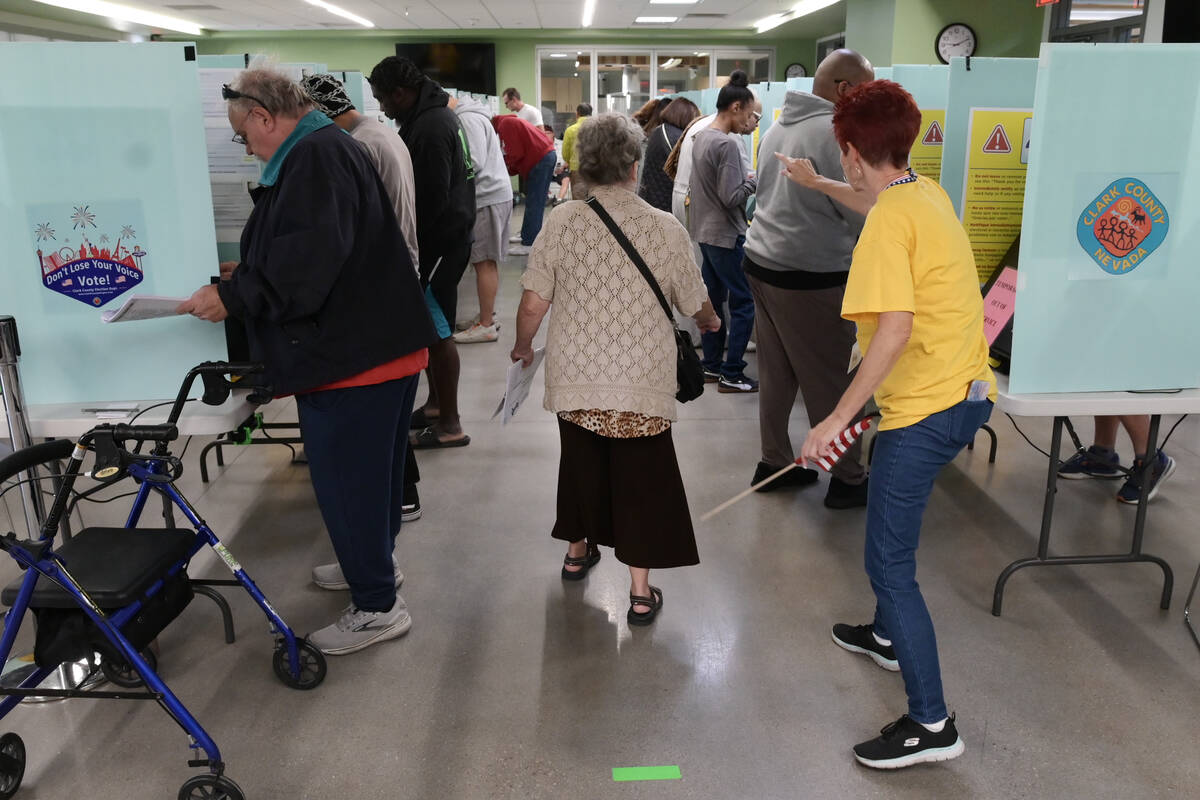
(626, 494)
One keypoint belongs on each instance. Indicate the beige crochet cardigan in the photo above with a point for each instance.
(609, 345)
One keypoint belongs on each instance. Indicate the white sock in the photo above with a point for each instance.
(935, 727)
(881, 641)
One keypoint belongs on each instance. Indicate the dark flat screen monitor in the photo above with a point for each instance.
(466, 66)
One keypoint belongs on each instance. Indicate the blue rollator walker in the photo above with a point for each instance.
(112, 590)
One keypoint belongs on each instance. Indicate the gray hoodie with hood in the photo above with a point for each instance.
(797, 230)
(492, 184)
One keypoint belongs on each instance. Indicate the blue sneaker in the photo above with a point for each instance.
(1091, 463)
(1131, 492)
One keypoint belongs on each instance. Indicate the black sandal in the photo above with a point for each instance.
(586, 561)
(655, 602)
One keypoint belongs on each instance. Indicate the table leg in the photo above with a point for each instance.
(1043, 557)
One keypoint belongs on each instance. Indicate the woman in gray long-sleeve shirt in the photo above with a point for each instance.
(717, 198)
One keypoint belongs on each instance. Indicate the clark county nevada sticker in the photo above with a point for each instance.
(88, 251)
(1123, 226)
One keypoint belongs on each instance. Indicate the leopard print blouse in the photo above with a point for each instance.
(616, 424)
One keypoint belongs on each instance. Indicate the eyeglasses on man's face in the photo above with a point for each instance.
(228, 93)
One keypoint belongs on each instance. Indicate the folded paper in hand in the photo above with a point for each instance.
(144, 306)
(516, 390)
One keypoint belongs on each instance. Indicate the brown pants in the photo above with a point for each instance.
(803, 346)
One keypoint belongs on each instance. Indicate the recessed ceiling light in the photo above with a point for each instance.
(673, 2)
(803, 8)
(338, 11)
(559, 55)
(589, 13)
(655, 20)
(137, 15)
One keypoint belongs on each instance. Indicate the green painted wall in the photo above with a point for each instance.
(1010, 28)
(869, 29)
(515, 50)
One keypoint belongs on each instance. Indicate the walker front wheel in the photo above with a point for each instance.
(312, 665)
(210, 787)
(122, 673)
(12, 764)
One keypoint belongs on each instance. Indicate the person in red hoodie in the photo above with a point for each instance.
(528, 152)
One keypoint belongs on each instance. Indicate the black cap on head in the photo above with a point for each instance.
(328, 94)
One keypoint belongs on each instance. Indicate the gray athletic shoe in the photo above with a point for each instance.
(329, 576)
(358, 629)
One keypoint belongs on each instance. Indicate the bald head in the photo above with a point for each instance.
(840, 72)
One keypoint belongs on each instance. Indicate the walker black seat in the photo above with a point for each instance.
(115, 566)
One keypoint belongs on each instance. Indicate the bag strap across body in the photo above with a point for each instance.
(633, 254)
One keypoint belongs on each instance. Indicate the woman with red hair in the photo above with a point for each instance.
(914, 294)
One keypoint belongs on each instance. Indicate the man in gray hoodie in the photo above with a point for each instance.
(797, 260)
(493, 207)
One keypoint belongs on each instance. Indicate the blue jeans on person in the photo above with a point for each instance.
(537, 185)
(356, 440)
(725, 279)
(903, 468)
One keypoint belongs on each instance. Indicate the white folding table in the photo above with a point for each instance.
(1059, 406)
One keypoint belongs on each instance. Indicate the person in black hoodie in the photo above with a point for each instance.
(445, 184)
(331, 304)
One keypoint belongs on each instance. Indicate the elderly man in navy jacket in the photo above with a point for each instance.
(332, 306)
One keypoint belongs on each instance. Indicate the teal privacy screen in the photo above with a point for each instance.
(989, 83)
(929, 84)
(1108, 279)
(103, 194)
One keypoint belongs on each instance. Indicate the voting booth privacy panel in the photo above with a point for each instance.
(1108, 277)
(104, 194)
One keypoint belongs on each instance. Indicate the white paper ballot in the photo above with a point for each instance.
(516, 389)
(143, 306)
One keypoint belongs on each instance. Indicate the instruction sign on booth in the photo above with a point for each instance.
(994, 190)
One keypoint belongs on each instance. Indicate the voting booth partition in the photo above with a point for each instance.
(104, 194)
(1107, 283)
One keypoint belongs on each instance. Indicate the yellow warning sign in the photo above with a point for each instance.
(994, 188)
(926, 155)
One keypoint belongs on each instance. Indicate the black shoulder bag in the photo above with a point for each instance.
(688, 370)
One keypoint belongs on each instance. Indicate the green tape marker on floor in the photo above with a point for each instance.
(646, 773)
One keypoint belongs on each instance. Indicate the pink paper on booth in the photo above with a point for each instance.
(998, 304)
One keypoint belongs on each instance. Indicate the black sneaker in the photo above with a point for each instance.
(1091, 463)
(711, 377)
(797, 476)
(1131, 490)
(861, 639)
(738, 384)
(906, 742)
(410, 509)
(842, 495)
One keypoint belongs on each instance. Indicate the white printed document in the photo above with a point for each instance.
(516, 390)
(143, 306)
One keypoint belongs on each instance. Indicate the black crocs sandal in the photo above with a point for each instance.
(587, 561)
(655, 602)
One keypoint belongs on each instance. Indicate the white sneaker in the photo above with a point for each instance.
(329, 576)
(514, 239)
(519, 249)
(358, 629)
(478, 333)
(464, 324)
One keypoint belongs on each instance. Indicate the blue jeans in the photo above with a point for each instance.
(537, 184)
(903, 469)
(356, 440)
(723, 275)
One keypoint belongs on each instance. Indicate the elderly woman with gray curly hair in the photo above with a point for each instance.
(610, 366)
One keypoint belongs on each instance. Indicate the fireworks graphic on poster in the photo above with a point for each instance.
(83, 217)
(128, 232)
(43, 232)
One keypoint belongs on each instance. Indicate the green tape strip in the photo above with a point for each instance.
(646, 773)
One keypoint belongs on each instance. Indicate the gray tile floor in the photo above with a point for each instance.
(514, 685)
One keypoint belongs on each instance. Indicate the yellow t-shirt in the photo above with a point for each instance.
(913, 255)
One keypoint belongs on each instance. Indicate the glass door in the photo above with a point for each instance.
(623, 81)
(566, 81)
